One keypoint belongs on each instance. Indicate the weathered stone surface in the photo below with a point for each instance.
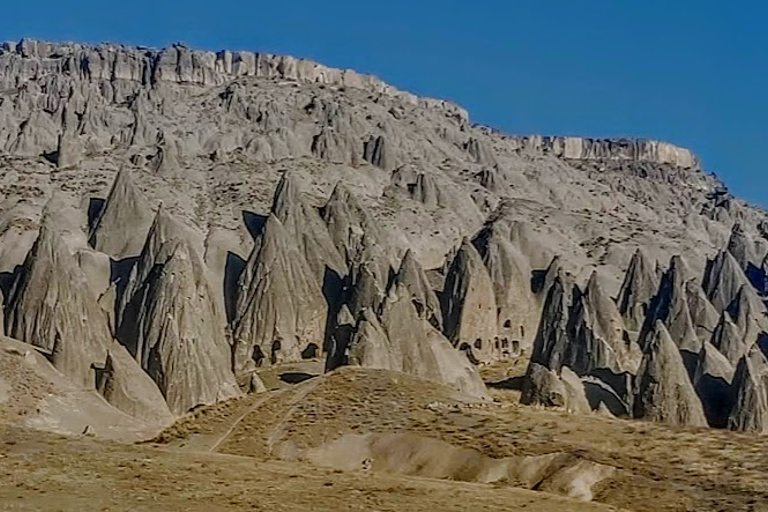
(663, 391)
(281, 311)
(121, 226)
(171, 323)
(723, 279)
(52, 307)
(712, 380)
(637, 290)
(124, 385)
(750, 408)
(303, 222)
(469, 304)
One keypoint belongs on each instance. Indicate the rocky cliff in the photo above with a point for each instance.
(218, 213)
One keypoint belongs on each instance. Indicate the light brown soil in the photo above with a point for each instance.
(40, 471)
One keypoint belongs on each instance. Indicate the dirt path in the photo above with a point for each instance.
(223, 437)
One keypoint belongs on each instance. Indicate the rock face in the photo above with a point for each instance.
(124, 385)
(281, 311)
(637, 290)
(663, 391)
(208, 135)
(121, 226)
(750, 409)
(400, 338)
(51, 307)
(578, 148)
(171, 323)
(469, 304)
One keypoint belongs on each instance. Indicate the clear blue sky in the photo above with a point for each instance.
(692, 73)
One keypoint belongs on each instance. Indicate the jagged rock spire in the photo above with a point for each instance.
(347, 222)
(398, 339)
(124, 385)
(663, 391)
(749, 314)
(722, 280)
(52, 307)
(637, 290)
(511, 275)
(281, 311)
(469, 304)
(412, 277)
(750, 408)
(740, 246)
(552, 341)
(175, 328)
(369, 278)
(712, 381)
(670, 306)
(121, 227)
(728, 339)
(305, 225)
(703, 314)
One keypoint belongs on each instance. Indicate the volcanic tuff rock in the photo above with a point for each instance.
(399, 339)
(469, 304)
(663, 391)
(281, 311)
(638, 288)
(172, 324)
(210, 135)
(123, 222)
(52, 307)
(750, 409)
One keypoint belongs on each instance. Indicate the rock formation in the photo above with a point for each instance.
(663, 391)
(638, 288)
(172, 324)
(52, 307)
(281, 310)
(401, 339)
(750, 408)
(469, 305)
(121, 227)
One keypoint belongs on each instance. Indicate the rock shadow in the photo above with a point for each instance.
(253, 223)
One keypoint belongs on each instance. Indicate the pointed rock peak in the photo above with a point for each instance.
(729, 340)
(411, 277)
(347, 221)
(637, 290)
(663, 391)
(287, 193)
(554, 271)
(281, 310)
(723, 279)
(713, 363)
(747, 307)
(48, 303)
(750, 409)
(740, 246)
(121, 226)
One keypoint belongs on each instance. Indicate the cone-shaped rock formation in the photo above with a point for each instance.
(750, 408)
(281, 311)
(638, 288)
(663, 391)
(121, 226)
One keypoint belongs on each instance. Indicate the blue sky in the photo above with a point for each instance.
(692, 73)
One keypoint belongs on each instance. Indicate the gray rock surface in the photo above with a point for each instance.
(281, 311)
(663, 391)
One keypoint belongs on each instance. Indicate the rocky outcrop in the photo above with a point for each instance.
(303, 222)
(469, 305)
(281, 311)
(663, 391)
(179, 64)
(121, 226)
(124, 385)
(577, 148)
(171, 323)
(546, 387)
(712, 381)
(723, 279)
(412, 277)
(510, 273)
(750, 408)
(399, 339)
(670, 306)
(637, 290)
(52, 307)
